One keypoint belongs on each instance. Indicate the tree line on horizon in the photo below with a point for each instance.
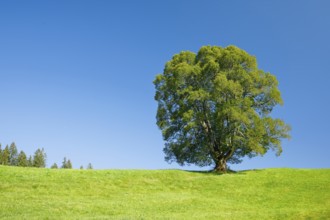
(66, 164)
(9, 156)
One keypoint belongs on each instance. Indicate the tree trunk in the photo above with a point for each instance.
(220, 166)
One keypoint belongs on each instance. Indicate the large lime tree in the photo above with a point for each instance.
(214, 108)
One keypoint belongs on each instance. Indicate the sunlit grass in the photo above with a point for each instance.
(31, 193)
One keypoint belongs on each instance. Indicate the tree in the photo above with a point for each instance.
(30, 162)
(81, 167)
(39, 158)
(66, 164)
(214, 108)
(54, 166)
(89, 166)
(13, 154)
(0, 155)
(22, 159)
(5, 156)
(69, 164)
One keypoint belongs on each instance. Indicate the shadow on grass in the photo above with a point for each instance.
(212, 172)
(229, 172)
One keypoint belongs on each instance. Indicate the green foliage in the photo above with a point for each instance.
(13, 154)
(22, 160)
(9, 157)
(30, 162)
(69, 164)
(5, 160)
(89, 166)
(39, 158)
(214, 107)
(163, 194)
(0, 154)
(54, 166)
(66, 164)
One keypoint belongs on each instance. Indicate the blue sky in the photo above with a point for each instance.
(76, 76)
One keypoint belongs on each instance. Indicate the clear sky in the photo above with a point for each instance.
(76, 76)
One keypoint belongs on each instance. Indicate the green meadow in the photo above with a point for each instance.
(32, 193)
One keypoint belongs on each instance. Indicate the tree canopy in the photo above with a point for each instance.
(5, 156)
(39, 158)
(214, 107)
(13, 154)
(22, 159)
(66, 164)
(89, 166)
(54, 166)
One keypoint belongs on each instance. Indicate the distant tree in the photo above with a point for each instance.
(5, 156)
(54, 166)
(39, 158)
(69, 164)
(30, 161)
(22, 160)
(64, 163)
(13, 154)
(0, 155)
(81, 167)
(89, 166)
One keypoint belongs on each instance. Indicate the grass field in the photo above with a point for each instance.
(31, 193)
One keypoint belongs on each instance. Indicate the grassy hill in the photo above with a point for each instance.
(31, 193)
